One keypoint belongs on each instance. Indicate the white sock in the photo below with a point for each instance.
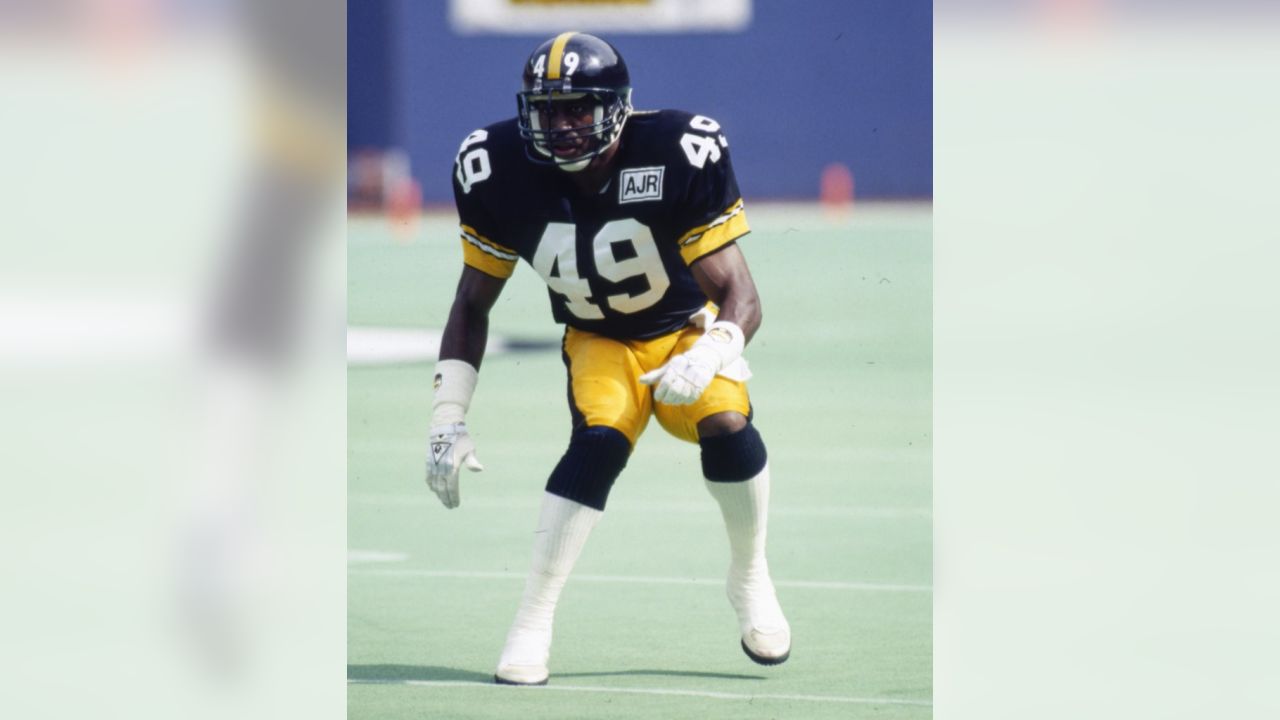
(745, 507)
(563, 527)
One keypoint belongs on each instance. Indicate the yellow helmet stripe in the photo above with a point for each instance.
(557, 55)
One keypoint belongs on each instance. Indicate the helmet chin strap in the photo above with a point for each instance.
(579, 165)
(574, 166)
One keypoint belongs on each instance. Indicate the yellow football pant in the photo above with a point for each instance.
(606, 390)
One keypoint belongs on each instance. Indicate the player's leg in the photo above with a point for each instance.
(736, 468)
(735, 465)
(608, 417)
(563, 527)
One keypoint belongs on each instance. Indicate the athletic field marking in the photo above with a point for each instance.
(704, 508)
(392, 345)
(645, 580)
(648, 691)
(375, 556)
(554, 448)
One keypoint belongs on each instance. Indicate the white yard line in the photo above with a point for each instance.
(375, 556)
(651, 691)
(645, 580)
(682, 508)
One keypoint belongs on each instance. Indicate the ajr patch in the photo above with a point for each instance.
(640, 184)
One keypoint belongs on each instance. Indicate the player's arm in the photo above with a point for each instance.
(725, 278)
(466, 333)
(487, 265)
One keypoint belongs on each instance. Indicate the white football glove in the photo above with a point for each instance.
(450, 449)
(684, 377)
(682, 380)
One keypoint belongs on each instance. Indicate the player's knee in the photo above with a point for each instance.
(725, 423)
(733, 457)
(595, 458)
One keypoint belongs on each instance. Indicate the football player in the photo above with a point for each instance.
(632, 219)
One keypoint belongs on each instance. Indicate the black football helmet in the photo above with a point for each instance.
(573, 66)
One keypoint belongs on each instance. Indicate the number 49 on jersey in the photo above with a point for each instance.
(557, 262)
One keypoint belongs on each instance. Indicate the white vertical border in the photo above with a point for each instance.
(1106, 357)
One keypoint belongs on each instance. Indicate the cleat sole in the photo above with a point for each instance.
(503, 681)
(760, 659)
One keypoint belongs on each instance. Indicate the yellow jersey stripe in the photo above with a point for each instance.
(557, 55)
(693, 235)
(485, 262)
(470, 235)
(727, 228)
(486, 255)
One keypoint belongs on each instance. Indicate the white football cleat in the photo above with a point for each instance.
(766, 636)
(524, 659)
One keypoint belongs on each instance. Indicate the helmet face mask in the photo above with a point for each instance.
(608, 111)
(578, 71)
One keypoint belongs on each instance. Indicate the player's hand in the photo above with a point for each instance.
(683, 379)
(449, 448)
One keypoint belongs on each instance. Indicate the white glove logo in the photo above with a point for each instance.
(720, 335)
(451, 448)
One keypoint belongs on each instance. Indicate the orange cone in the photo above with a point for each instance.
(403, 203)
(836, 190)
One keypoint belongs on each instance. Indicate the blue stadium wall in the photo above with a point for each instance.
(807, 84)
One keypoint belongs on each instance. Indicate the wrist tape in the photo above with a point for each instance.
(723, 339)
(455, 383)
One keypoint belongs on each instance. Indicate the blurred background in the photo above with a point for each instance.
(808, 88)
(171, 358)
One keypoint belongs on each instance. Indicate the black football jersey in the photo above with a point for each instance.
(615, 263)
